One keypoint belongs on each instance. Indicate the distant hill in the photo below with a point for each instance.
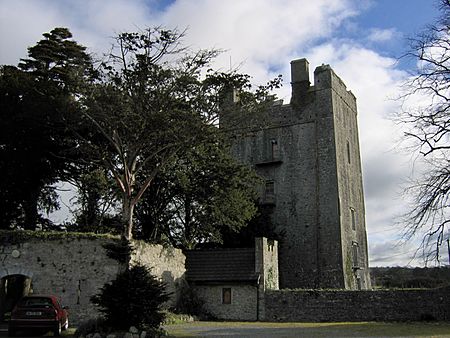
(399, 277)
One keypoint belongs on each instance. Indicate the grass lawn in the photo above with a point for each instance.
(348, 329)
(69, 332)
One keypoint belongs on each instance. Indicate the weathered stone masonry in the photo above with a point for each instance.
(75, 267)
(308, 153)
(345, 305)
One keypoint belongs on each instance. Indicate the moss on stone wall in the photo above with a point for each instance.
(349, 272)
(20, 236)
(270, 284)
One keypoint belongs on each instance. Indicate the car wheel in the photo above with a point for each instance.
(57, 330)
(66, 325)
(11, 332)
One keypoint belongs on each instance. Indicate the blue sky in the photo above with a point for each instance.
(360, 39)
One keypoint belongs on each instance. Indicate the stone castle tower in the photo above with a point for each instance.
(308, 154)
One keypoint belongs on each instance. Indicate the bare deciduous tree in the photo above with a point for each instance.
(428, 127)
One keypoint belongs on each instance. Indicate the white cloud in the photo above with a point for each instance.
(382, 35)
(375, 81)
(21, 25)
(259, 36)
(394, 253)
(260, 30)
(92, 22)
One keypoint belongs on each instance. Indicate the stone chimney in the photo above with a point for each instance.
(299, 80)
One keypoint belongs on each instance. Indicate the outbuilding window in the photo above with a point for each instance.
(226, 296)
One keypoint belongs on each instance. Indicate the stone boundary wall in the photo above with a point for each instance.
(168, 264)
(73, 269)
(380, 305)
(75, 266)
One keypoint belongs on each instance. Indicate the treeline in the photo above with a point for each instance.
(135, 132)
(401, 277)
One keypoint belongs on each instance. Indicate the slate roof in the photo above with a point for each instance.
(221, 265)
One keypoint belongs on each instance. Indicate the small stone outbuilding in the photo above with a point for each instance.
(231, 282)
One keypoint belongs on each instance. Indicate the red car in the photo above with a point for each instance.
(38, 312)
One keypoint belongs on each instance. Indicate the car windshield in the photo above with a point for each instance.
(36, 302)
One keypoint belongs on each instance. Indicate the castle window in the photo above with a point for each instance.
(348, 152)
(275, 150)
(269, 193)
(271, 153)
(270, 189)
(226, 296)
(353, 218)
(355, 258)
(270, 244)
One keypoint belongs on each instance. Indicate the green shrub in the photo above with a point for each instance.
(134, 298)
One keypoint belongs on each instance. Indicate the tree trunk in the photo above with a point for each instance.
(30, 208)
(92, 213)
(127, 218)
(2, 298)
